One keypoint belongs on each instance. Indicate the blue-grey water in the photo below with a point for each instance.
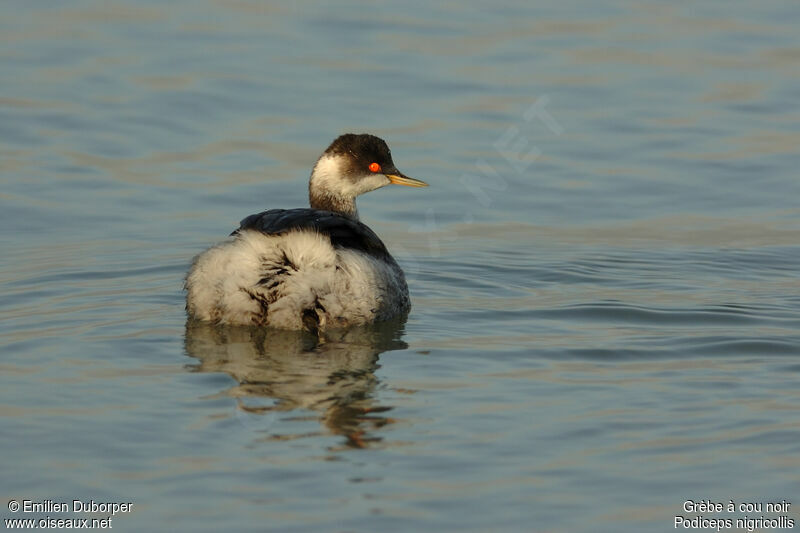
(605, 271)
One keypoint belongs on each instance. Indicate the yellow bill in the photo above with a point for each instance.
(399, 179)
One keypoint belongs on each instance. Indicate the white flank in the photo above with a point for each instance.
(273, 279)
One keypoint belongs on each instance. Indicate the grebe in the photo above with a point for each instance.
(312, 268)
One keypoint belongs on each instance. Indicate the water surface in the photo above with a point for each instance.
(604, 271)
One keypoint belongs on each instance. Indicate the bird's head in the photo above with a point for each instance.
(353, 165)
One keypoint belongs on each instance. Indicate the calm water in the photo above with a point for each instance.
(604, 270)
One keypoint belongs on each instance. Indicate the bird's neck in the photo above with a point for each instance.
(328, 190)
(323, 199)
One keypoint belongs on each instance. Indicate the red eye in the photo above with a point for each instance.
(374, 167)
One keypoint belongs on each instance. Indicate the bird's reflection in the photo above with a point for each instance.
(332, 375)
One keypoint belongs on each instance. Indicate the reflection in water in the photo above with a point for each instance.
(293, 370)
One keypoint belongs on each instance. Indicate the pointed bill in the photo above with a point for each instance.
(400, 179)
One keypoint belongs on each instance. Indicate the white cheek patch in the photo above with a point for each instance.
(327, 176)
(372, 182)
(327, 172)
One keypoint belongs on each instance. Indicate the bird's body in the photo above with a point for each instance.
(314, 268)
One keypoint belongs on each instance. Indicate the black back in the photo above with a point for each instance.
(343, 232)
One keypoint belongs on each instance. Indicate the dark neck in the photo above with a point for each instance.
(329, 202)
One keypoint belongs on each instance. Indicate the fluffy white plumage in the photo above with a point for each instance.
(343, 287)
